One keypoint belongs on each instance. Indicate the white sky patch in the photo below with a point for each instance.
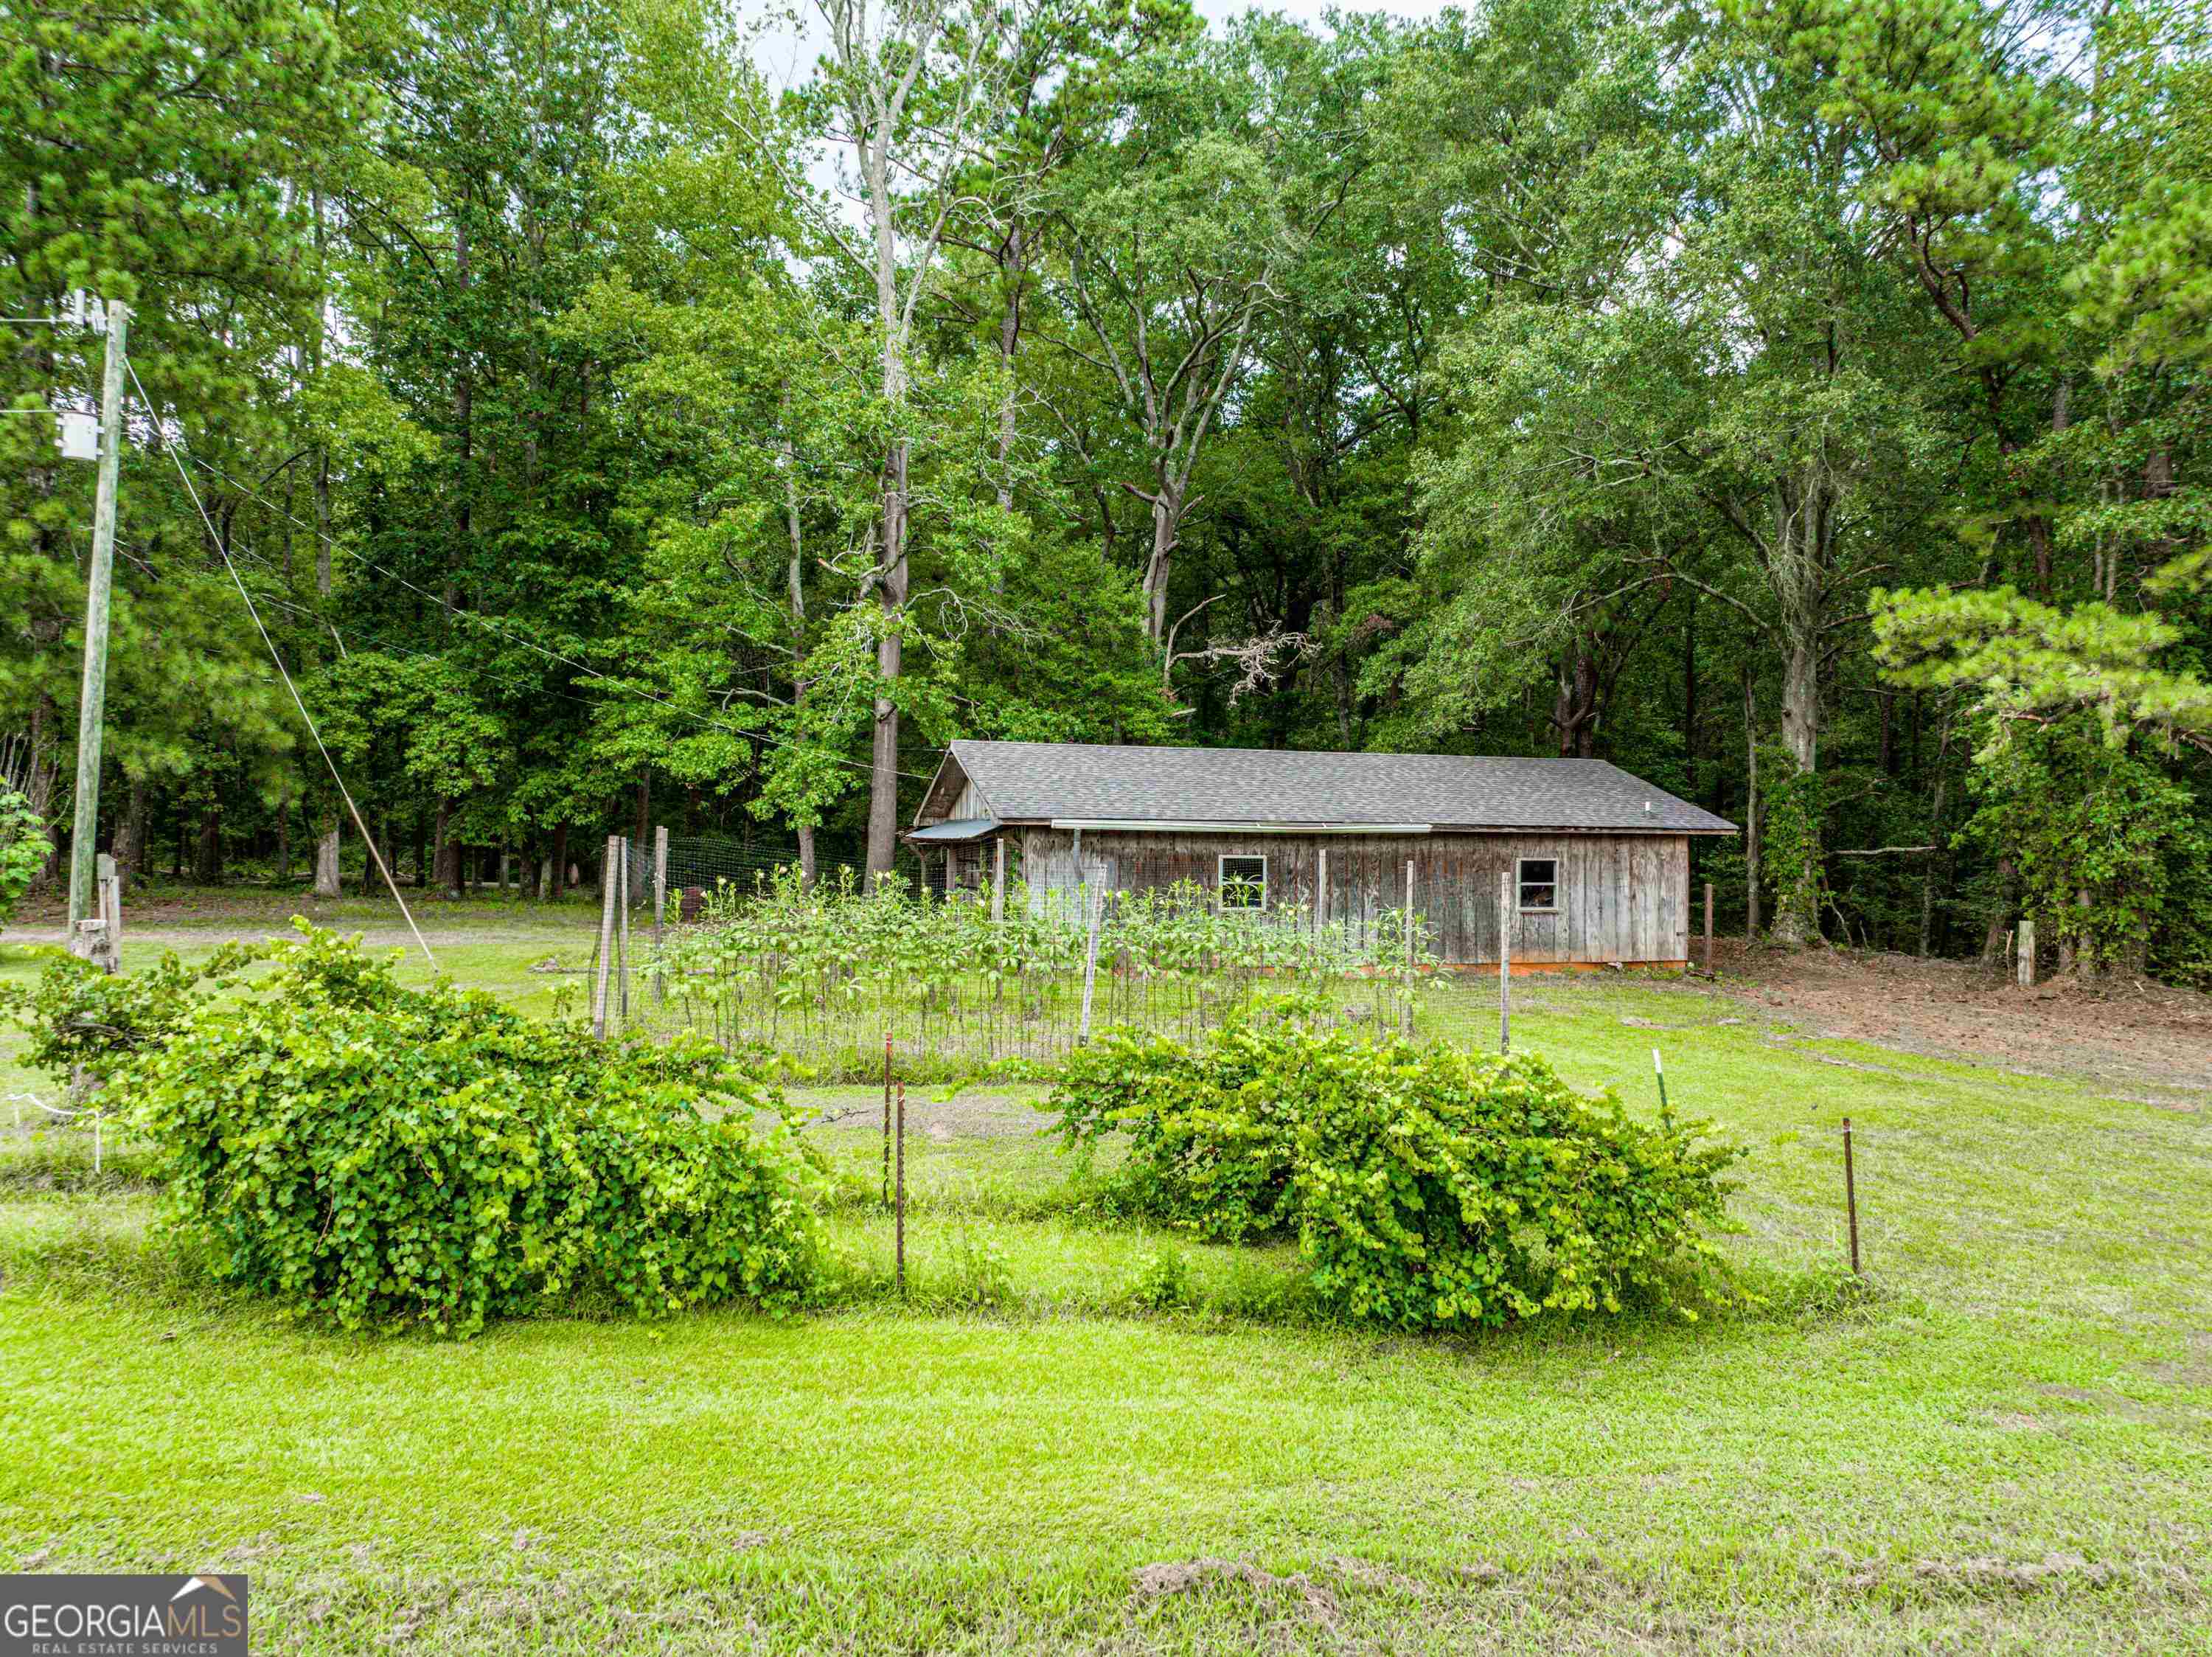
(791, 39)
(788, 36)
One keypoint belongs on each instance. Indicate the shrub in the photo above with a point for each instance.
(85, 1025)
(1426, 1187)
(379, 1154)
(24, 848)
(1165, 1283)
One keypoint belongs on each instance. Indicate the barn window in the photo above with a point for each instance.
(1539, 884)
(1244, 882)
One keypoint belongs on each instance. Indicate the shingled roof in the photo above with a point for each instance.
(1048, 782)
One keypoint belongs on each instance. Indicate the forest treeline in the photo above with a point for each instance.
(1801, 403)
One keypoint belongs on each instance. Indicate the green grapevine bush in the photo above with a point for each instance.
(85, 1024)
(378, 1154)
(1426, 1187)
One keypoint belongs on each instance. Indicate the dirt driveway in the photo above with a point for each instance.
(2141, 1040)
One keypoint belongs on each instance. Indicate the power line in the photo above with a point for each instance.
(367, 839)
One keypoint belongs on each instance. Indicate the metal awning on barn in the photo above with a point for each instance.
(955, 832)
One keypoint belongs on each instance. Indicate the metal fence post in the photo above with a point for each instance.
(1506, 961)
(1090, 956)
(1409, 1008)
(900, 1223)
(1851, 1196)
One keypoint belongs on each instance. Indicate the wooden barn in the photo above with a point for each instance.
(1600, 861)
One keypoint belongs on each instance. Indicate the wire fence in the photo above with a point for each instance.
(820, 973)
(693, 867)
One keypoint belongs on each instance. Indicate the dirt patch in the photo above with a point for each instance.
(2147, 1042)
(1981, 1575)
(980, 1115)
(1194, 1575)
(1382, 1579)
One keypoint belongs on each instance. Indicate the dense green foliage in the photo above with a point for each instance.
(85, 1025)
(377, 1154)
(24, 849)
(1574, 378)
(1427, 1187)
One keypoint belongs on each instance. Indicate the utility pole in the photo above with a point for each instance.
(92, 703)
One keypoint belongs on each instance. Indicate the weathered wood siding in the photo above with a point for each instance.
(1622, 897)
(951, 796)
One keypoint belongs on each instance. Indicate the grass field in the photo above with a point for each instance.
(2007, 1447)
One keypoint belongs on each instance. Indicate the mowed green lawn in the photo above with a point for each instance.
(2007, 1447)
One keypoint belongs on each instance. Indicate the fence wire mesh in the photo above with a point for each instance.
(821, 973)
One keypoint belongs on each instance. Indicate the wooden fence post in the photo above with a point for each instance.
(1409, 1008)
(622, 983)
(2026, 953)
(1506, 961)
(659, 877)
(607, 873)
(111, 909)
(998, 879)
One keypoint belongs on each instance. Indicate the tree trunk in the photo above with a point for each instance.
(1159, 567)
(2076, 958)
(560, 858)
(1010, 334)
(2001, 917)
(1690, 696)
(322, 455)
(463, 427)
(1574, 708)
(326, 857)
(1796, 905)
(1937, 860)
(891, 589)
(795, 603)
(449, 852)
(1750, 811)
(130, 843)
(39, 789)
(207, 861)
